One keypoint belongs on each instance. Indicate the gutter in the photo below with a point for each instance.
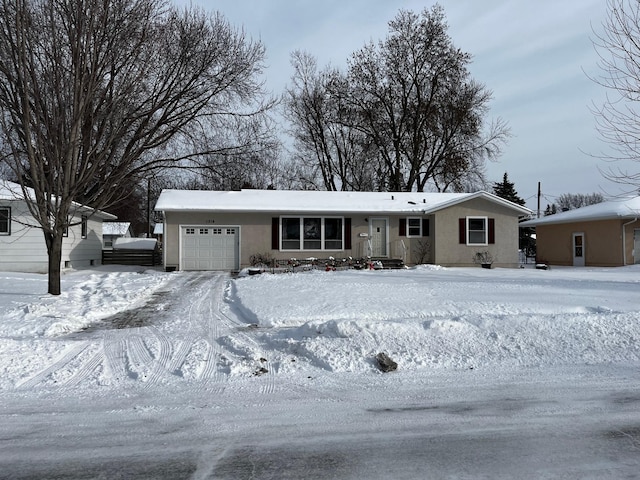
(624, 240)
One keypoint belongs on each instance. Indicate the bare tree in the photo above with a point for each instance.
(618, 117)
(96, 92)
(251, 159)
(335, 155)
(413, 97)
(571, 201)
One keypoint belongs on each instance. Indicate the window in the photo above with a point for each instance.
(5, 221)
(477, 231)
(190, 231)
(333, 233)
(204, 231)
(414, 227)
(311, 233)
(83, 227)
(291, 234)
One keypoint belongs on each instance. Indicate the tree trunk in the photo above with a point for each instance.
(54, 250)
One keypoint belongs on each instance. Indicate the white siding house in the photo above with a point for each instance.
(22, 246)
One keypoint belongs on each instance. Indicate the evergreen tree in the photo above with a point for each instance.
(506, 190)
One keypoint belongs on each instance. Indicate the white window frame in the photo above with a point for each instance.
(7, 232)
(419, 227)
(323, 239)
(485, 230)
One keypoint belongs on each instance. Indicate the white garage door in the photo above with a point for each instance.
(210, 248)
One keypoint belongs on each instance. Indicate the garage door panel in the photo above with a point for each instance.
(210, 248)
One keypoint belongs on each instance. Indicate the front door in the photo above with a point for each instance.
(636, 245)
(578, 250)
(378, 237)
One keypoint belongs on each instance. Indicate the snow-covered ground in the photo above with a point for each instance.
(502, 373)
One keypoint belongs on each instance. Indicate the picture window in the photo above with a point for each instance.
(312, 233)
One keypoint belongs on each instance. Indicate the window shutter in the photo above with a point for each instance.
(492, 230)
(402, 228)
(425, 227)
(347, 234)
(275, 233)
(462, 230)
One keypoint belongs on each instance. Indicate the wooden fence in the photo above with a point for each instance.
(145, 258)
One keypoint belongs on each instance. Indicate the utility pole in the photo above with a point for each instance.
(149, 208)
(539, 195)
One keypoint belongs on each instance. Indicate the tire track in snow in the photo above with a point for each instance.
(206, 345)
(240, 330)
(210, 313)
(60, 363)
(163, 359)
(114, 350)
(86, 370)
(139, 360)
(204, 315)
(179, 356)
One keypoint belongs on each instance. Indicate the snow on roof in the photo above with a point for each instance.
(10, 190)
(135, 243)
(623, 208)
(13, 191)
(317, 201)
(115, 228)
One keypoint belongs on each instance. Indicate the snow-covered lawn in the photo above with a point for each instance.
(501, 374)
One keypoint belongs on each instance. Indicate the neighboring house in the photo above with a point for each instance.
(22, 246)
(214, 230)
(605, 234)
(113, 230)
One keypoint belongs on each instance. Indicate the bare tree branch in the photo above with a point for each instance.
(95, 93)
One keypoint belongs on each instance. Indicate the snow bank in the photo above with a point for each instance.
(447, 318)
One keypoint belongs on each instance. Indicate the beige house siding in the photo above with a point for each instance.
(449, 252)
(255, 235)
(603, 242)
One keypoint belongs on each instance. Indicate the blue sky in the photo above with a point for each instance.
(533, 55)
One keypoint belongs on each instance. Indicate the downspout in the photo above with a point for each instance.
(624, 241)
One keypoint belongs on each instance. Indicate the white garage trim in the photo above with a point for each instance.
(210, 247)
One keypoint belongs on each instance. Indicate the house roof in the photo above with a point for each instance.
(613, 209)
(13, 191)
(115, 228)
(302, 201)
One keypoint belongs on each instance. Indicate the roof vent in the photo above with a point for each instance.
(392, 197)
(424, 200)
